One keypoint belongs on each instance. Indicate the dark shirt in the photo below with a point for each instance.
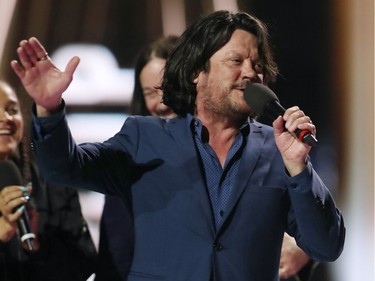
(66, 249)
(116, 241)
(220, 180)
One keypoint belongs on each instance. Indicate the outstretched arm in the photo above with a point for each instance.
(43, 81)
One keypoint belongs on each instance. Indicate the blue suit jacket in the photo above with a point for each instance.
(154, 166)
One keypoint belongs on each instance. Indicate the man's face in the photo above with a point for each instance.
(236, 64)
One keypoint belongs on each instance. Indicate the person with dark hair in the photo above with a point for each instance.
(212, 191)
(116, 228)
(62, 248)
(147, 98)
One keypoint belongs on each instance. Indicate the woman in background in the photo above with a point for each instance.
(63, 248)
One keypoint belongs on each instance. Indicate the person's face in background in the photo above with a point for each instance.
(11, 122)
(150, 77)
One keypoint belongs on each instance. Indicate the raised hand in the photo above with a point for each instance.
(293, 151)
(43, 81)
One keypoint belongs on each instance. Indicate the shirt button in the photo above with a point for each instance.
(221, 213)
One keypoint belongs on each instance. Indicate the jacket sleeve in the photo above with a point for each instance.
(314, 220)
(88, 165)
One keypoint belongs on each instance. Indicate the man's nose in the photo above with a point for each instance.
(248, 71)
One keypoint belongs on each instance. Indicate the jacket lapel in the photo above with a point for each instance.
(200, 215)
(250, 156)
(201, 211)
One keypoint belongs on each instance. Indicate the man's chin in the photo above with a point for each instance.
(240, 114)
(244, 108)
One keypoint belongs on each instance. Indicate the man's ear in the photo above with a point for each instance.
(196, 79)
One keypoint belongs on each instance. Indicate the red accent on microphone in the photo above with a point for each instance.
(302, 134)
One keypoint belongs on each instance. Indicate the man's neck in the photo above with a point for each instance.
(221, 133)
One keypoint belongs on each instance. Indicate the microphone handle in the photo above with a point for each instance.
(274, 109)
(307, 137)
(25, 233)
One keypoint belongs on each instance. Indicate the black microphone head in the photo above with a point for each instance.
(257, 96)
(9, 174)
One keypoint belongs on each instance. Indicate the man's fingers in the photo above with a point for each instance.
(278, 125)
(283, 273)
(38, 49)
(72, 66)
(31, 54)
(24, 58)
(20, 72)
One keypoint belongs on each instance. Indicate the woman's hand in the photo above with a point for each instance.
(293, 258)
(12, 205)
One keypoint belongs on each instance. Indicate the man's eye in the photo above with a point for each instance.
(150, 94)
(236, 61)
(259, 67)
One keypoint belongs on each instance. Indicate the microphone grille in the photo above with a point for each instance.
(257, 96)
(9, 174)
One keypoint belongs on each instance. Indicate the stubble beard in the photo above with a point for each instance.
(227, 106)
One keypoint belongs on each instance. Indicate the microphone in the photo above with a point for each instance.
(263, 101)
(10, 175)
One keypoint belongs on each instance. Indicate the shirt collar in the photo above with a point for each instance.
(195, 125)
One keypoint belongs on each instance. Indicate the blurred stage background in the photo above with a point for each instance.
(325, 52)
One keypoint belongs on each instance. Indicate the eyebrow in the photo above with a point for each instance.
(238, 53)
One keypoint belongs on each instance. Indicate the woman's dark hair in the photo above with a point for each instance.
(157, 49)
(194, 49)
(22, 160)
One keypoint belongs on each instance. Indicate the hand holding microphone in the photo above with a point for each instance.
(13, 200)
(263, 101)
(295, 125)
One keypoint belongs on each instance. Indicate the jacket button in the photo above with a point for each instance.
(218, 246)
